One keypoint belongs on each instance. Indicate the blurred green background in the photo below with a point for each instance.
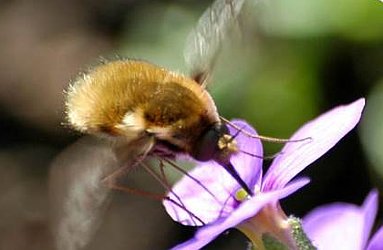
(296, 59)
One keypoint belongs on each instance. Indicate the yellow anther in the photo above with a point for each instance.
(241, 195)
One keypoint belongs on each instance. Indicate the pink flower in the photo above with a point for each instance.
(343, 226)
(224, 206)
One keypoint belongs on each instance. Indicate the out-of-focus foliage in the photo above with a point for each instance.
(372, 132)
(351, 19)
(161, 38)
(294, 60)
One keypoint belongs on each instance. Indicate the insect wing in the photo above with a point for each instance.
(205, 40)
(78, 197)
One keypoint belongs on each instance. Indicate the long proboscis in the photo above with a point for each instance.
(231, 170)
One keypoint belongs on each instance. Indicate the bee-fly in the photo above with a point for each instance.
(148, 111)
(138, 101)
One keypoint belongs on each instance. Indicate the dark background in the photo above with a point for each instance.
(295, 60)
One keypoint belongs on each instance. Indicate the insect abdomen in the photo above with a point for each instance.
(101, 99)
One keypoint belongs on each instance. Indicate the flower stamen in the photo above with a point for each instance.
(241, 195)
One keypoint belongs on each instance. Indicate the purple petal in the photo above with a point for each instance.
(334, 227)
(341, 225)
(195, 204)
(194, 244)
(245, 211)
(370, 208)
(376, 242)
(248, 167)
(324, 131)
(207, 206)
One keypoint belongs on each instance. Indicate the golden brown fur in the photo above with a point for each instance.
(133, 97)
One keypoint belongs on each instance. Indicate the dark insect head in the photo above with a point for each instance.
(218, 145)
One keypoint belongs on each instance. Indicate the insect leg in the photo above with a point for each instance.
(164, 183)
(111, 181)
(125, 189)
(191, 177)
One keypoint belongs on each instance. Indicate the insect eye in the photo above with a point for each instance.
(206, 147)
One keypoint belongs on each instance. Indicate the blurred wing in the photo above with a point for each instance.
(78, 198)
(205, 40)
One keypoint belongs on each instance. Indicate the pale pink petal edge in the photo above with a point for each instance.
(247, 210)
(297, 156)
